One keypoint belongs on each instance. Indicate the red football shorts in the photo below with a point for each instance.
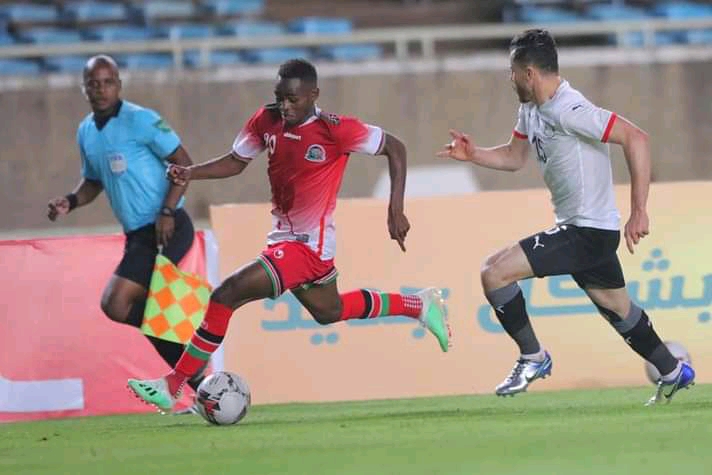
(292, 264)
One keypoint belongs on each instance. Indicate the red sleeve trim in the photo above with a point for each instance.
(519, 135)
(609, 127)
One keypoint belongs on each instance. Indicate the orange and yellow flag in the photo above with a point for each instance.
(176, 302)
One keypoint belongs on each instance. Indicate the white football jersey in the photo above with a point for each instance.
(570, 136)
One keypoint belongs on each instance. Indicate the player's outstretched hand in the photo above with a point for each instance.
(637, 227)
(398, 227)
(57, 206)
(178, 175)
(461, 148)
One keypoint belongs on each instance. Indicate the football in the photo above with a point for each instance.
(223, 398)
(677, 350)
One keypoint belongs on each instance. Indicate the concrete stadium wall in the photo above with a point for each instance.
(39, 159)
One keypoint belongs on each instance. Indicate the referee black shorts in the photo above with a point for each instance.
(141, 249)
(587, 254)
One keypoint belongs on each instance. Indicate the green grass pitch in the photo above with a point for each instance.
(542, 433)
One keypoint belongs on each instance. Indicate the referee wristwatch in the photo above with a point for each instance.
(166, 211)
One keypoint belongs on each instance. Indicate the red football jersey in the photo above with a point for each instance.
(305, 168)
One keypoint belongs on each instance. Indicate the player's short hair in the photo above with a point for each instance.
(535, 48)
(298, 69)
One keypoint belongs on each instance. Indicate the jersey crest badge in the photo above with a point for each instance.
(315, 153)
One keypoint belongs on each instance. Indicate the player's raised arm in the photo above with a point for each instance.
(508, 157)
(636, 148)
(398, 225)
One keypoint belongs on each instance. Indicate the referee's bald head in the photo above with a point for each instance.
(100, 61)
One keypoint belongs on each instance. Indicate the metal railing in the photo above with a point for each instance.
(399, 38)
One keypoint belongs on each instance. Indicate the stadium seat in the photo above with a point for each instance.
(186, 31)
(335, 26)
(65, 64)
(215, 58)
(246, 29)
(358, 52)
(151, 11)
(249, 29)
(143, 61)
(49, 36)
(19, 67)
(275, 55)
(6, 40)
(320, 26)
(233, 7)
(547, 15)
(111, 33)
(628, 13)
(697, 37)
(23, 12)
(95, 11)
(681, 11)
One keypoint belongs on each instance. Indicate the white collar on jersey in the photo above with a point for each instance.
(563, 85)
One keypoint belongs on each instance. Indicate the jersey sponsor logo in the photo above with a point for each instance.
(117, 163)
(162, 125)
(536, 242)
(292, 136)
(315, 153)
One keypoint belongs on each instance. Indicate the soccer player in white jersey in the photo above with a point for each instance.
(570, 136)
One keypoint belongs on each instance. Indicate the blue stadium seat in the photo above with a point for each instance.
(357, 52)
(95, 11)
(19, 67)
(275, 55)
(628, 13)
(143, 61)
(616, 12)
(335, 26)
(151, 11)
(215, 58)
(249, 29)
(253, 28)
(233, 7)
(681, 11)
(111, 33)
(65, 64)
(547, 15)
(50, 36)
(321, 26)
(698, 37)
(189, 30)
(22, 12)
(6, 40)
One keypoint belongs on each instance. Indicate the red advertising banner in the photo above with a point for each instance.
(60, 355)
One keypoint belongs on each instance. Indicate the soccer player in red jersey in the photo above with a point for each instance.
(307, 152)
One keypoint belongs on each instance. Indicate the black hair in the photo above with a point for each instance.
(535, 48)
(298, 69)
